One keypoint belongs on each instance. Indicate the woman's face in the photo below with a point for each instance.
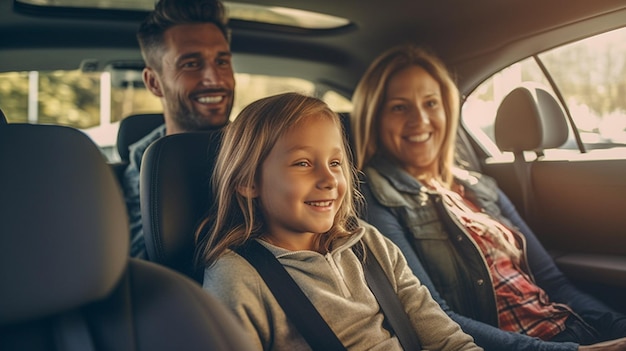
(413, 122)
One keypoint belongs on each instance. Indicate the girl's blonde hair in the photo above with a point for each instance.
(369, 98)
(247, 142)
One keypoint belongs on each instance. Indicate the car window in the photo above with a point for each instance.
(591, 76)
(95, 102)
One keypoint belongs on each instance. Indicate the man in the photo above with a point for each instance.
(185, 46)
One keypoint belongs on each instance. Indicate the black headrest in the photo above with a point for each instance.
(135, 127)
(63, 228)
(530, 119)
(175, 193)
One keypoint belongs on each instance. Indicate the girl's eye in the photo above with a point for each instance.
(335, 164)
(398, 108)
(301, 164)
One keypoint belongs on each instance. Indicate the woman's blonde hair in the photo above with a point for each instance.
(369, 98)
(247, 142)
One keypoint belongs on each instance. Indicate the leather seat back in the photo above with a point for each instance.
(67, 281)
(175, 194)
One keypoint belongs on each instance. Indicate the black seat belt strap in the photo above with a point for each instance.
(389, 302)
(298, 308)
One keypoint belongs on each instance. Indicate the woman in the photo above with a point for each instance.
(449, 223)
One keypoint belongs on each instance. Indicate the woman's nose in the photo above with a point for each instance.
(419, 117)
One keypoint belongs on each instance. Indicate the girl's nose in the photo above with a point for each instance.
(327, 179)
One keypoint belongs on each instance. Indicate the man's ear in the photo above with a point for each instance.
(151, 81)
(247, 191)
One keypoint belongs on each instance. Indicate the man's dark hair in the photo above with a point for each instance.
(169, 13)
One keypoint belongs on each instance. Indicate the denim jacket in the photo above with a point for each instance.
(445, 259)
(449, 254)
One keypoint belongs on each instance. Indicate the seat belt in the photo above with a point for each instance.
(522, 170)
(389, 302)
(313, 327)
(296, 305)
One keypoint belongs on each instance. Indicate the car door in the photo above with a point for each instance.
(578, 191)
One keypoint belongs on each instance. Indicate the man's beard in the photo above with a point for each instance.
(189, 119)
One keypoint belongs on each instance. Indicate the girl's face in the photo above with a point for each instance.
(413, 121)
(302, 184)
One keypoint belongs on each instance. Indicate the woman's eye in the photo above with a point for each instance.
(335, 163)
(432, 103)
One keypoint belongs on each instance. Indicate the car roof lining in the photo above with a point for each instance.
(472, 50)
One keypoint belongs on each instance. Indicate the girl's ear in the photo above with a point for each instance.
(247, 191)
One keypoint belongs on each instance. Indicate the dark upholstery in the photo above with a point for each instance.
(175, 193)
(67, 281)
(530, 119)
(135, 127)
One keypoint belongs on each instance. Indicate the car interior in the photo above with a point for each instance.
(546, 124)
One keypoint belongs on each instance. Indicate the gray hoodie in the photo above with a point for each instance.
(336, 286)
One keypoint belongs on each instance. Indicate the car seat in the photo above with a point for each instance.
(67, 280)
(175, 194)
(529, 118)
(133, 128)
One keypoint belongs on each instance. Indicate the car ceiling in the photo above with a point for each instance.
(475, 38)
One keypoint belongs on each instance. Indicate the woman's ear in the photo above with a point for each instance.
(247, 191)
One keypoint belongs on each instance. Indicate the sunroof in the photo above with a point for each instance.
(237, 11)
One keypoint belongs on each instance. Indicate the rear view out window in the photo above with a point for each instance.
(95, 102)
(591, 76)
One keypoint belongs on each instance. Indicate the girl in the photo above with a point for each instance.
(283, 178)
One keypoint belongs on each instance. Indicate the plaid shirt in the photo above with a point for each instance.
(523, 307)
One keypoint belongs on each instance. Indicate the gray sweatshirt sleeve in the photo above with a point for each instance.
(434, 327)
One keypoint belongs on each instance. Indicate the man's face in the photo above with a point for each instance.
(196, 83)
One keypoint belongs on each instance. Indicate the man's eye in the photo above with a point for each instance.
(223, 62)
(190, 64)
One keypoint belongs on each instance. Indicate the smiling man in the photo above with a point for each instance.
(185, 46)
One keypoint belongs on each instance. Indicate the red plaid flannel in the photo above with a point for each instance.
(523, 307)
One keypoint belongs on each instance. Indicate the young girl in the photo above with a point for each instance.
(283, 178)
